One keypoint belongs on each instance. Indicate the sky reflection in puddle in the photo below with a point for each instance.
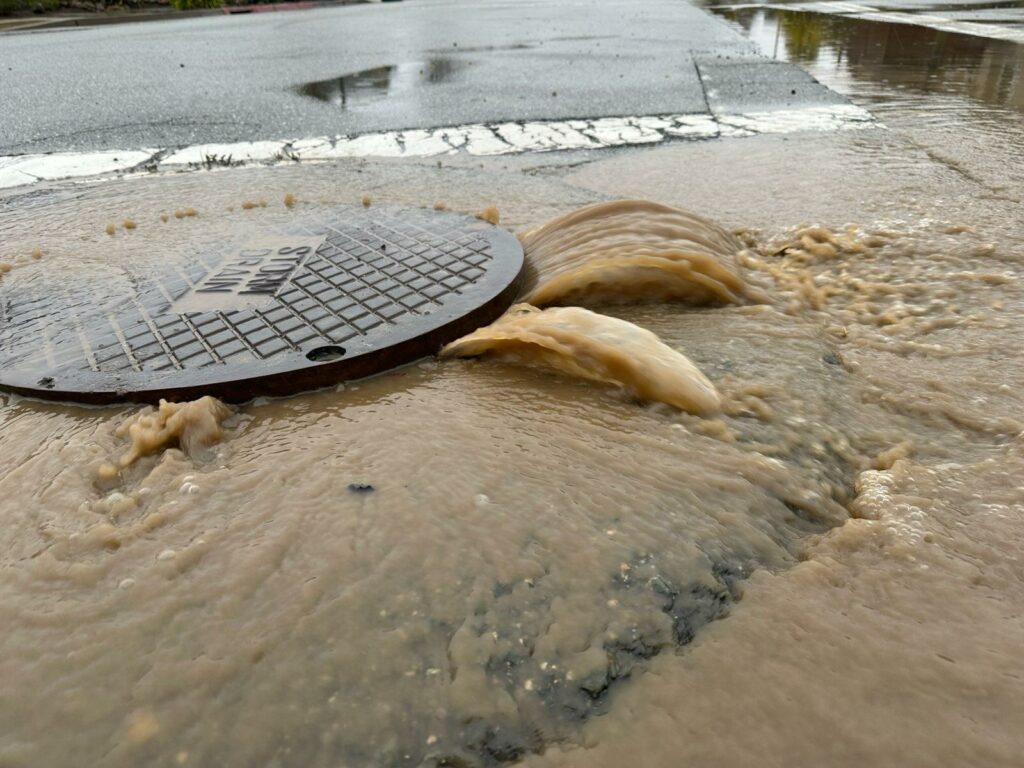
(377, 83)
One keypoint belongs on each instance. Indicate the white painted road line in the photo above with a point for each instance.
(480, 140)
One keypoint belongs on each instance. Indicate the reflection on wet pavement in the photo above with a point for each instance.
(996, 21)
(854, 55)
(379, 82)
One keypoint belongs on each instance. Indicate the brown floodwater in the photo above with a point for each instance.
(525, 555)
(878, 62)
(957, 96)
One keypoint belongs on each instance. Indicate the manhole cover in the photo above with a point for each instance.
(288, 310)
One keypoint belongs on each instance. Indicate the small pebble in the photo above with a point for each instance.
(126, 584)
(167, 554)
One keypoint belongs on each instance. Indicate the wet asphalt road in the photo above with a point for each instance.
(424, 63)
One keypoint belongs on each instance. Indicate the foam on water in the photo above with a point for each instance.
(633, 250)
(591, 346)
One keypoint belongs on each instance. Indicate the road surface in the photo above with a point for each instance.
(357, 69)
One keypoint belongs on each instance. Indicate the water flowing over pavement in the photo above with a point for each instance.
(471, 562)
(590, 346)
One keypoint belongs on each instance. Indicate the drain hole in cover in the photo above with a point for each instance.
(325, 354)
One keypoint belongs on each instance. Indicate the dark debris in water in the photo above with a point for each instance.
(563, 704)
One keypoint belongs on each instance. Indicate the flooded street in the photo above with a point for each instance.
(785, 529)
(958, 97)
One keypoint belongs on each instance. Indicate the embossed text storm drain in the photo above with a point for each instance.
(285, 311)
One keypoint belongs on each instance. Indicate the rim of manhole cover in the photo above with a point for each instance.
(288, 310)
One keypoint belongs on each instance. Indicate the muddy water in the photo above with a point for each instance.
(468, 562)
(631, 251)
(958, 97)
(892, 641)
(591, 346)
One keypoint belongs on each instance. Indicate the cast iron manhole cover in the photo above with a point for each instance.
(286, 311)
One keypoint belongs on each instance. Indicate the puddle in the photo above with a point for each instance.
(485, 48)
(380, 82)
(1010, 11)
(958, 98)
(876, 61)
(1000, 20)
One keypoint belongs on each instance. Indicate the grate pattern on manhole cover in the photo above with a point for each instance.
(287, 311)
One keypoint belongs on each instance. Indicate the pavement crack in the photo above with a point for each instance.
(494, 132)
(151, 163)
(703, 87)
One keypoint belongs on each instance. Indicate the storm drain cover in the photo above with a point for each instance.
(284, 311)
